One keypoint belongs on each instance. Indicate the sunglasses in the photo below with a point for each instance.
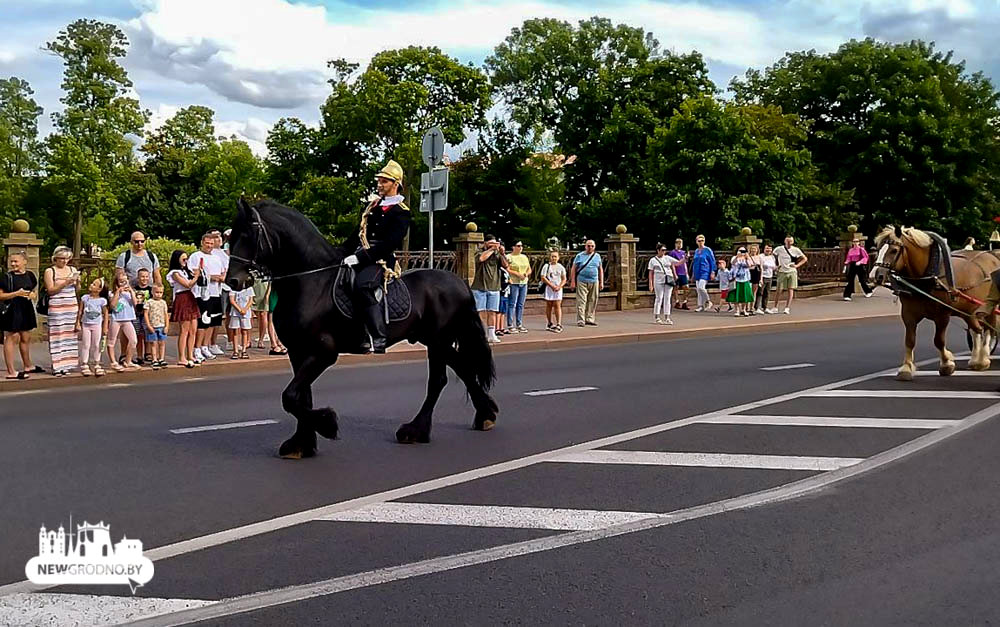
(138, 241)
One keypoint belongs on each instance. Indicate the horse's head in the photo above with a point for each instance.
(247, 247)
(901, 250)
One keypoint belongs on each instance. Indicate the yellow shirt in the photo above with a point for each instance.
(519, 264)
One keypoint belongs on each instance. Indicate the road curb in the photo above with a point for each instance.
(222, 367)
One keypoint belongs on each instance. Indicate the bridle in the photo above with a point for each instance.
(900, 255)
(258, 270)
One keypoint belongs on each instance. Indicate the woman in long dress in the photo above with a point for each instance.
(61, 280)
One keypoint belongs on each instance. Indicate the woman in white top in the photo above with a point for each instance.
(767, 266)
(662, 278)
(185, 308)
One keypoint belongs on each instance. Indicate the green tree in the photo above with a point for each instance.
(595, 90)
(717, 168)
(904, 126)
(91, 140)
(20, 151)
(291, 158)
(383, 112)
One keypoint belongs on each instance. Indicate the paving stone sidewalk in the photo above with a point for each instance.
(616, 326)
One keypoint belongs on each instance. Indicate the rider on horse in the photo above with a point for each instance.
(384, 224)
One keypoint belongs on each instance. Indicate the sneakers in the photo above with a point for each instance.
(557, 328)
(581, 323)
(759, 312)
(787, 311)
(216, 350)
(522, 329)
(847, 299)
(205, 353)
(869, 294)
(770, 311)
(592, 324)
(657, 320)
(700, 309)
(668, 322)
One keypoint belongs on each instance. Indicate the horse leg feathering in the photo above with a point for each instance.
(297, 400)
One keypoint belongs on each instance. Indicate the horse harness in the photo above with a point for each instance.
(259, 271)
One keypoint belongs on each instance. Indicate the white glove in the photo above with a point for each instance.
(351, 261)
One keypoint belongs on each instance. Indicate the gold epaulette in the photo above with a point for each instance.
(403, 205)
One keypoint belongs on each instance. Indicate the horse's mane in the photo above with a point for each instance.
(292, 221)
(917, 237)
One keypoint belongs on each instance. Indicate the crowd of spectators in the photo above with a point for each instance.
(125, 325)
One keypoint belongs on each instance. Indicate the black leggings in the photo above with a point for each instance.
(859, 271)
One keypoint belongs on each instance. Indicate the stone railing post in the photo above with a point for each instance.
(466, 246)
(745, 238)
(621, 249)
(21, 241)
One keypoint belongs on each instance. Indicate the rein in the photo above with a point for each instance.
(905, 283)
(259, 271)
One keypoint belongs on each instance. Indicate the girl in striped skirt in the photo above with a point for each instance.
(61, 281)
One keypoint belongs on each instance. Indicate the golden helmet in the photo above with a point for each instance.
(392, 170)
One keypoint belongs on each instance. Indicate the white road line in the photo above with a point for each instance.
(119, 385)
(559, 391)
(788, 367)
(957, 373)
(901, 394)
(250, 530)
(292, 594)
(228, 425)
(85, 609)
(487, 516)
(708, 460)
(831, 421)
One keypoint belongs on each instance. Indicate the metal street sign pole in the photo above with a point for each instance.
(433, 153)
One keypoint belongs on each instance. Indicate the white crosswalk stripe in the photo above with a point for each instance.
(488, 516)
(709, 460)
(831, 421)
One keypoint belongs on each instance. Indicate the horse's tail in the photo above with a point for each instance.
(474, 349)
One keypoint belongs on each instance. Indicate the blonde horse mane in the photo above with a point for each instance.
(918, 238)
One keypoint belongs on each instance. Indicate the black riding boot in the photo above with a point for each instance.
(375, 324)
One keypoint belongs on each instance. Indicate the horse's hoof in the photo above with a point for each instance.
(409, 434)
(290, 449)
(904, 375)
(978, 366)
(484, 423)
(947, 370)
(325, 423)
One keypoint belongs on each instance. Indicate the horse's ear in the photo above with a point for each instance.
(899, 231)
(242, 206)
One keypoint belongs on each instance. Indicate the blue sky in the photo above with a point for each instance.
(255, 61)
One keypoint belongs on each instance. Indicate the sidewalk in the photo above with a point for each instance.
(614, 327)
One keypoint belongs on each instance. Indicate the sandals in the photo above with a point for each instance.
(235, 356)
(245, 355)
(85, 371)
(98, 371)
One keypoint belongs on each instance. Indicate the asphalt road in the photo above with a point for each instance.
(912, 541)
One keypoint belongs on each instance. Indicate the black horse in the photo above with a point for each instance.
(273, 240)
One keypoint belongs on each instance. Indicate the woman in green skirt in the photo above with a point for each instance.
(742, 293)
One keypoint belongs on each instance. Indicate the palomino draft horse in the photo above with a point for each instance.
(269, 239)
(934, 284)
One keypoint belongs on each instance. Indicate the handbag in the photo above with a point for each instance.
(541, 283)
(42, 306)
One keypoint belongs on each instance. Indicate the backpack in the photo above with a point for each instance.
(128, 255)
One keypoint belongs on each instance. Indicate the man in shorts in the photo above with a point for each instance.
(790, 258)
(209, 295)
(486, 285)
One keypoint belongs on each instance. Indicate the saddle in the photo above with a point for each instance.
(395, 302)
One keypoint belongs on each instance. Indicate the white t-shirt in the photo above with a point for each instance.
(93, 309)
(175, 286)
(212, 265)
(784, 257)
(223, 256)
(767, 266)
(554, 274)
(663, 267)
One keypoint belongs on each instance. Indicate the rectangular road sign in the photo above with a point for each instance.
(434, 190)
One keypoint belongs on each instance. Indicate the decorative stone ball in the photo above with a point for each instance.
(746, 231)
(621, 230)
(20, 226)
(852, 228)
(471, 227)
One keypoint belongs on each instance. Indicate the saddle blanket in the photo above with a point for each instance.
(397, 301)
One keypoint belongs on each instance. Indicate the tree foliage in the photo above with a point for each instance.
(902, 125)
